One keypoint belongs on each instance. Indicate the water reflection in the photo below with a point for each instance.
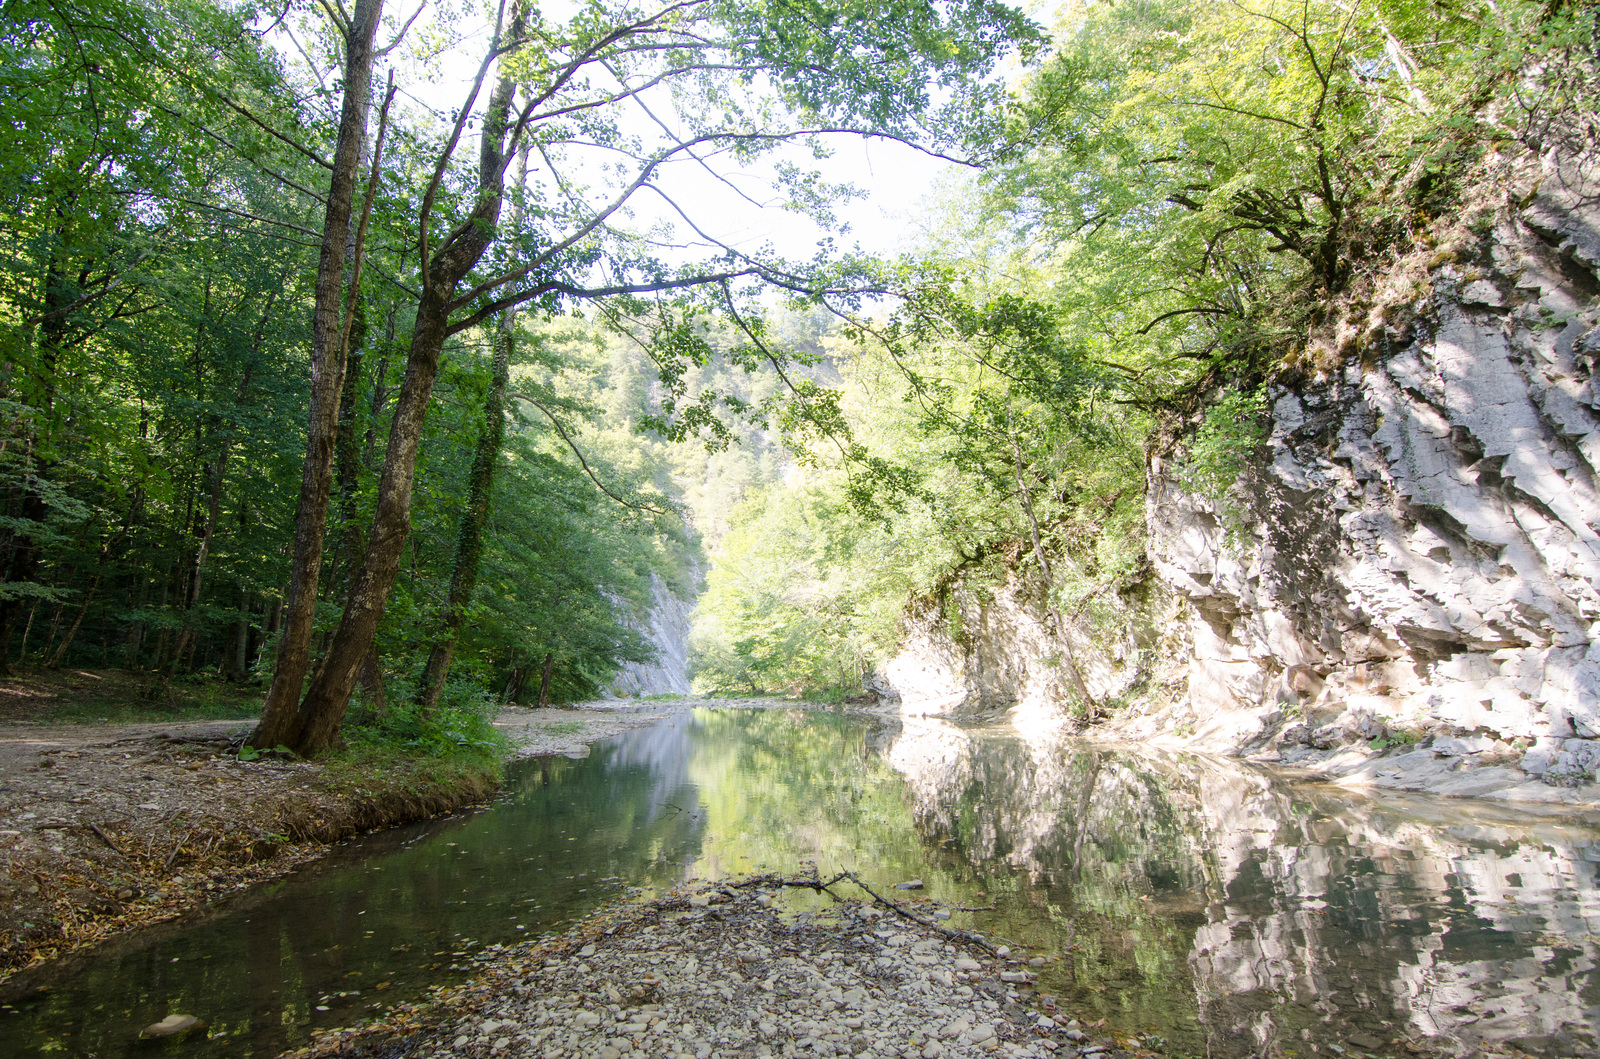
(1231, 913)
(1271, 917)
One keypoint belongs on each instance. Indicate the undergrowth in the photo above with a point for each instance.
(458, 733)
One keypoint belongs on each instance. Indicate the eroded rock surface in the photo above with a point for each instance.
(666, 626)
(974, 650)
(1422, 563)
(1412, 566)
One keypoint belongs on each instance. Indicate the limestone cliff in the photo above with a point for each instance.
(666, 627)
(1413, 563)
(975, 648)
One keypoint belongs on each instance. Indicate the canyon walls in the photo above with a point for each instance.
(1412, 561)
(666, 626)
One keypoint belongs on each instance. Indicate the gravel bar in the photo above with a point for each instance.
(715, 971)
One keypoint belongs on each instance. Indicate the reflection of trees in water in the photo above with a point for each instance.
(658, 756)
(1198, 889)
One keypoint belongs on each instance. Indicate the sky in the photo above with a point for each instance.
(896, 180)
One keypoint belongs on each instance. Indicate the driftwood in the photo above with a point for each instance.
(175, 849)
(815, 882)
(107, 839)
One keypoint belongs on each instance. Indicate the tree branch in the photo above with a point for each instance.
(556, 422)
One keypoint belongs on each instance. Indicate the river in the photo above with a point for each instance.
(1225, 910)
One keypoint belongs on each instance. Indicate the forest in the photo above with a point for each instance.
(375, 356)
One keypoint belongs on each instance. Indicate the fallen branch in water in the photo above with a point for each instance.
(815, 882)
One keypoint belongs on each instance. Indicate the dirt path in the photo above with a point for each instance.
(106, 827)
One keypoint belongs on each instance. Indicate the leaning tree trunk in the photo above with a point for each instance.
(322, 711)
(480, 489)
(469, 535)
(279, 717)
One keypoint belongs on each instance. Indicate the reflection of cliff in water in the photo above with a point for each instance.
(1278, 915)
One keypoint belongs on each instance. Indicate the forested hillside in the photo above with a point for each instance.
(290, 393)
(1196, 205)
(373, 354)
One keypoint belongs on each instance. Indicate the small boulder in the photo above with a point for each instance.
(172, 1026)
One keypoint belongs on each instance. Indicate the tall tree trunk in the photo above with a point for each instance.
(480, 490)
(197, 573)
(322, 711)
(130, 652)
(347, 463)
(279, 716)
(544, 679)
(371, 681)
(27, 628)
(216, 471)
(238, 649)
(60, 652)
(25, 537)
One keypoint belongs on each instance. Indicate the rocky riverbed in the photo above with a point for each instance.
(714, 971)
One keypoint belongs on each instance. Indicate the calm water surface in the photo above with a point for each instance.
(1228, 912)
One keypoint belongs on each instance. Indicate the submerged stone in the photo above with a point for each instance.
(172, 1026)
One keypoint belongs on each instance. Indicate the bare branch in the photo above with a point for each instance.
(245, 214)
(556, 422)
(274, 133)
(572, 290)
(449, 148)
(398, 37)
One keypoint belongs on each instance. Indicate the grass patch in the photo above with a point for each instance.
(457, 738)
(101, 696)
(377, 769)
(562, 728)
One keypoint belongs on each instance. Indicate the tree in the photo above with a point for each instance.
(748, 79)
(331, 324)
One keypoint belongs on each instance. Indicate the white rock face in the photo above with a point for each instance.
(1423, 556)
(666, 626)
(980, 651)
(1415, 560)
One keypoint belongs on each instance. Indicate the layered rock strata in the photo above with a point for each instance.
(666, 626)
(1422, 563)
